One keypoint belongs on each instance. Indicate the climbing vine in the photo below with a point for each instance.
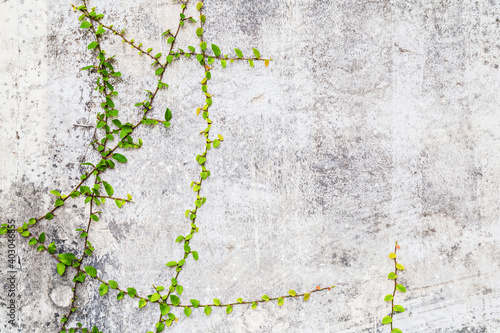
(397, 286)
(111, 139)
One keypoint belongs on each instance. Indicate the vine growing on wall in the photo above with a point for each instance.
(397, 287)
(114, 138)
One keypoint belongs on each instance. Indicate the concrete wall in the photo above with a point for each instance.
(377, 121)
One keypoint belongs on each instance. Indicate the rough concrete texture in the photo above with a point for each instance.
(377, 121)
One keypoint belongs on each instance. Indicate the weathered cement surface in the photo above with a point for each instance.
(378, 121)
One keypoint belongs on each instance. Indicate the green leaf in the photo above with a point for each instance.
(388, 298)
(85, 25)
(168, 114)
(195, 302)
(32, 241)
(172, 263)
(400, 267)
(61, 268)
(142, 303)
(179, 289)
(170, 58)
(265, 298)
(120, 295)
(208, 310)
(49, 216)
(399, 308)
(187, 311)
(41, 239)
(223, 63)
(25, 233)
(131, 292)
(100, 30)
(109, 189)
(281, 300)
(396, 330)
(306, 296)
(386, 320)
(103, 289)
(160, 326)
(250, 61)
(170, 40)
(216, 301)
(178, 239)
(239, 53)
(56, 193)
(159, 71)
(164, 308)
(175, 300)
(401, 288)
(92, 45)
(195, 255)
(229, 309)
(51, 248)
(94, 217)
(392, 276)
(203, 46)
(59, 202)
(254, 305)
(216, 143)
(91, 271)
(155, 297)
(113, 284)
(199, 5)
(216, 50)
(257, 53)
(239, 300)
(199, 32)
(119, 157)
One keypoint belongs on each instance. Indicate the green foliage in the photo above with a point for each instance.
(397, 286)
(208, 310)
(187, 311)
(91, 271)
(103, 289)
(112, 137)
(61, 268)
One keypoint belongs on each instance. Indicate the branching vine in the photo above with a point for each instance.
(117, 136)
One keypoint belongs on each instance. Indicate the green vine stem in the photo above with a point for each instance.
(112, 129)
(397, 286)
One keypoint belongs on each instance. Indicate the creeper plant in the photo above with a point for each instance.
(92, 182)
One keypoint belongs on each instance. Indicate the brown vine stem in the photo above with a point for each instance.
(112, 150)
(220, 57)
(73, 299)
(251, 302)
(110, 28)
(79, 270)
(110, 197)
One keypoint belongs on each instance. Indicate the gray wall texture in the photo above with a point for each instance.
(377, 121)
